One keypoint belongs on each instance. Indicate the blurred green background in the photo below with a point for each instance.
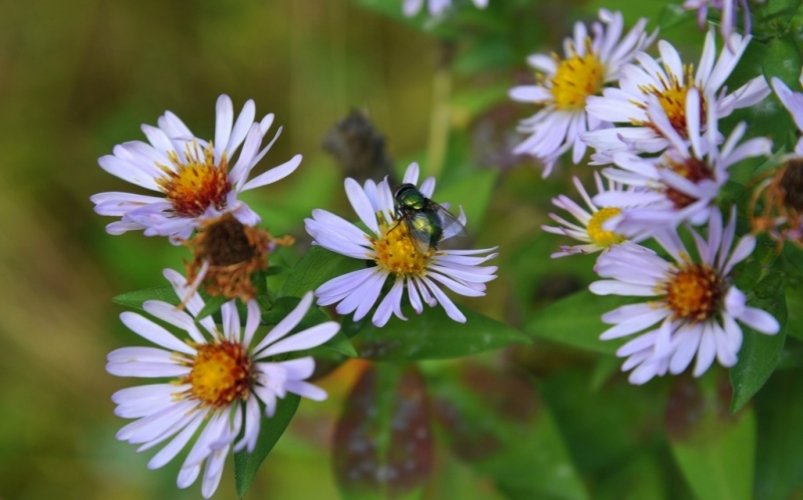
(78, 77)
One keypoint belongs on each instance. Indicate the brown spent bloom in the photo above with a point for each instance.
(780, 196)
(226, 254)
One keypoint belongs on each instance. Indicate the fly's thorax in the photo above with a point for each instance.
(408, 197)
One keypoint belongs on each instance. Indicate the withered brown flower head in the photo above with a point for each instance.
(226, 254)
(777, 203)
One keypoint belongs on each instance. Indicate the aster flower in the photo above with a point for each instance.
(781, 192)
(565, 85)
(435, 7)
(589, 226)
(695, 308)
(194, 178)
(682, 183)
(391, 248)
(669, 82)
(728, 9)
(220, 380)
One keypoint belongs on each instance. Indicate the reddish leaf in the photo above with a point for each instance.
(383, 441)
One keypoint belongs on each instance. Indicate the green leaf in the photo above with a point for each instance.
(246, 464)
(782, 59)
(211, 306)
(136, 298)
(315, 268)
(383, 443)
(282, 306)
(495, 422)
(714, 450)
(433, 335)
(760, 353)
(794, 320)
(779, 463)
(575, 321)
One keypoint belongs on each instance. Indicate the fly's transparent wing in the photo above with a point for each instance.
(451, 225)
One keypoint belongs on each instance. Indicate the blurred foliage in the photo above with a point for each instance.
(553, 419)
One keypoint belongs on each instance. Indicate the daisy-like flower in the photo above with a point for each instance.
(392, 249)
(220, 379)
(565, 84)
(685, 180)
(669, 82)
(728, 8)
(589, 226)
(196, 179)
(434, 7)
(695, 306)
(781, 192)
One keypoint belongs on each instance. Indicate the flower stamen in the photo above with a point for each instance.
(397, 253)
(194, 185)
(596, 231)
(221, 373)
(694, 292)
(577, 78)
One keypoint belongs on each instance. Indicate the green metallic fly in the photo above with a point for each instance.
(427, 222)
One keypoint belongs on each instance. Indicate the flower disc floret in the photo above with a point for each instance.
(196, 183)
(694, 292)
(577, 78)
(396, 252)
(220, 373)
(596, 231)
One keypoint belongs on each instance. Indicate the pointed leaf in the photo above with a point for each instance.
(136, 298)
(246, 464)
(316, 267)
(714, 450)
(779, 463)
(433, 335)
(211, 306)
(561, 321)
(383, 441)
(760, 353)
(496, 423)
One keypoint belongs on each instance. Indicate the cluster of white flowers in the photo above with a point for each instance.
(653, 126)
(650, 123)
(221, 377)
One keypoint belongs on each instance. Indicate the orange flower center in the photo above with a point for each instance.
(221, 373)
(694, 292)
(196, 184)
(672, 97)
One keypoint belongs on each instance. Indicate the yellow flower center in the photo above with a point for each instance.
(221, 373)
(672, 97)
(694, 292)
(577, 78)
(396, 251)
(599, 235)
(195, 185)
